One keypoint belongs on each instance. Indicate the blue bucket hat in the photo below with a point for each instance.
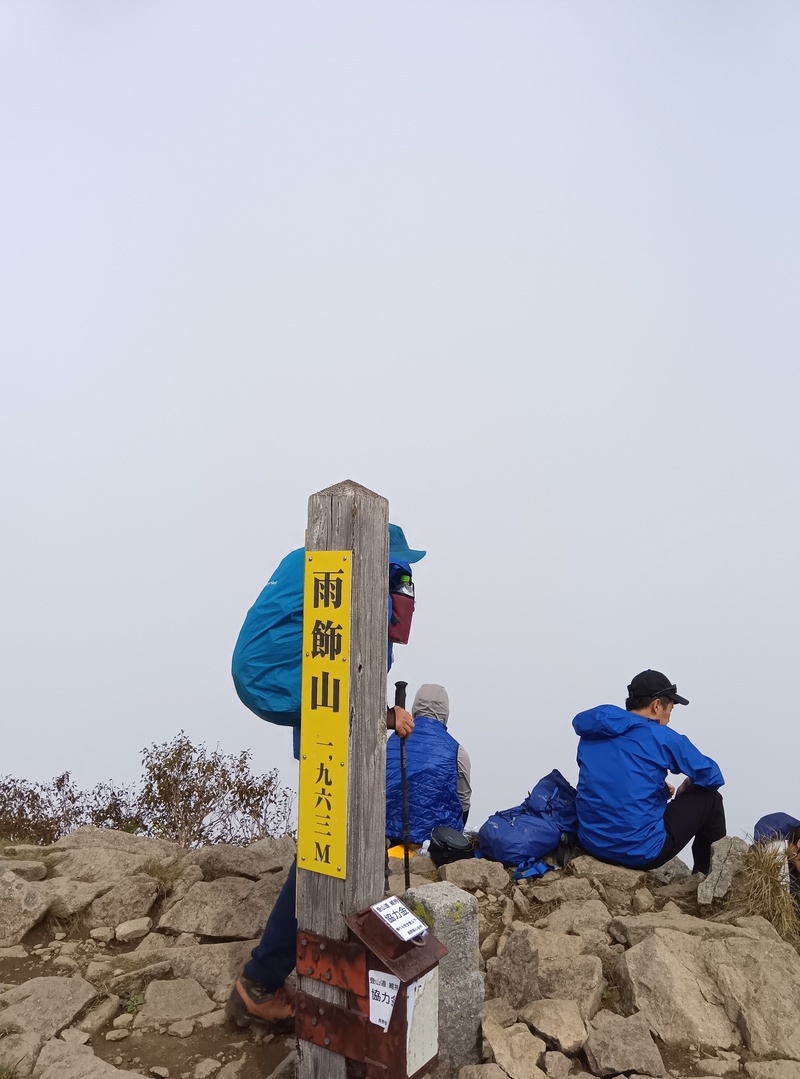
(775, 826)
(399, 551)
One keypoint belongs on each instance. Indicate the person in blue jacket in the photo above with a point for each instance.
(626, 810)
(437, 768)
(266, 673)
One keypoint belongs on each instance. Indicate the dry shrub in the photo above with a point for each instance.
(187, 794)
(762, 888)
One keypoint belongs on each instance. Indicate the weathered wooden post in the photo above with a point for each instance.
(342, 811)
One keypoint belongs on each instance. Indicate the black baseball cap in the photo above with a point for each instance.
(652, 684)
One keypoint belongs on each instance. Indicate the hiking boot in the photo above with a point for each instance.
(251, 1003)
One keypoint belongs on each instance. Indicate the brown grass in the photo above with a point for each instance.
(163, 873)
(760, 889)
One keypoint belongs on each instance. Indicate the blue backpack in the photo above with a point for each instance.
(531, 830)
(268, 655)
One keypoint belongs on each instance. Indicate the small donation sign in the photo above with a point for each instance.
(399, 918)
(382, 995)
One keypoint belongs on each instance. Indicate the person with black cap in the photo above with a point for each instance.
(626, 810)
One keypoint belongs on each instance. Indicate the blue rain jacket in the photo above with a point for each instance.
(431, 765)
(624, 760)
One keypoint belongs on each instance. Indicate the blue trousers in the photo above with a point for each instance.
(273, 958)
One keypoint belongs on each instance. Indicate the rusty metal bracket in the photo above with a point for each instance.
(334, 962)
(331, 1026)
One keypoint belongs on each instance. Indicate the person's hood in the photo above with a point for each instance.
(775, 826)
(432, 700)
(606, 721)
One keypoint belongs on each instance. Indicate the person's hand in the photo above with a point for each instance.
(403, 722)
(670, 790)
(683, 787)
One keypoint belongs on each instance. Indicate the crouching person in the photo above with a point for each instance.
(626, 810)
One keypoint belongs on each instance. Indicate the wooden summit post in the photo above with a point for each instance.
(334, 816)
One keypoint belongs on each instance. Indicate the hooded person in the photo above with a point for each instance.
(437, 769)
(625, 815)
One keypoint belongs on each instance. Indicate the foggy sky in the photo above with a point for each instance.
(528, 270)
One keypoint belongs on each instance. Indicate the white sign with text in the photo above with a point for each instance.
(399, 918)
(382, 995)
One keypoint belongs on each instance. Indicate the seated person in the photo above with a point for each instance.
(625, 815)
(437, 768)
(784, 829)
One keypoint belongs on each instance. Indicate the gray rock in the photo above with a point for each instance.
(396, 884)
(514, 974)
(104, 934)
(579, 979)
(182, 1028)
(715, 1066)
(632, 929)
(206, 1068)
(133, 930)
(23, 869)
(273, 855)
(623, 1045)
(138, 977)
(232, 1069)
(673, 870)
(129, 899)
(78, 1062)
(759, 925)
(453, 917)
(482, 1071)
(665, 977)
(259, 859)
(17, 952)
(643, 901)
(230, 908)
(214, 966)
(96, 865)
(22, 906)
(558, 1022)
(19, 1052)
(100, 1015)
(610, 876)
(117, 1035)
(760, 983)
(44, 1005)
(557, 1065)
(727, 858)
(89, 837)
(170, 1001)
(515, 1049)
(584, 918)
(562, 890)
(773, 1069)
(474, 873)
(68, 897)
(500, 1011)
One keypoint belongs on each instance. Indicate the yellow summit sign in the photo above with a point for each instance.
(322, 811)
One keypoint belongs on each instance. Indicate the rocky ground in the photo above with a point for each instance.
(117, 954)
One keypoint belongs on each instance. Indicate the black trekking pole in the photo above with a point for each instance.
(400, 699)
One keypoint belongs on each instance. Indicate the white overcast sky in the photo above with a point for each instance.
(529, 270)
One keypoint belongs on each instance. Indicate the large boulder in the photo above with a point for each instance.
(760, 983)
(89, 837)
(18, 1053)
(69, 897)
(99, 865)
(559, 1022)
(632, 929)
(263, 857)
(514, 974)
(665, 977)
(22, 906)
(579, 979)
(515, 1049)
(610, 876)
(474, 873)
(44, 1006)
(214, 966)
(623, 1045)
(561, 890)
(24, 869)
(587, 918)
(69, 1060)
(129, 899)
(231, 908)
(171, 1001)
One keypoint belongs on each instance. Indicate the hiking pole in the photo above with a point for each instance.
(400, 699)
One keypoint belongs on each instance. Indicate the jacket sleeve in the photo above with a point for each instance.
(464, 769)
(688, 760)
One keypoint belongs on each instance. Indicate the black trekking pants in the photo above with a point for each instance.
(698, 814)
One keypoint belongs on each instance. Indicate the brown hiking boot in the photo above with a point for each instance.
(250, 1003)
